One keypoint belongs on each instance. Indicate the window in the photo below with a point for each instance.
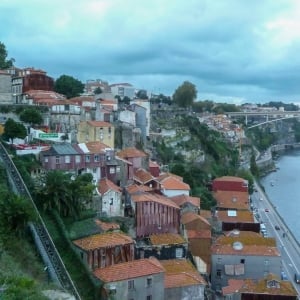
(96, 158)
(149, 297)
(46, 159)
(130, 284)
(57, 160)
(94, 170)
(67, 159)
(77, 158)
(242, 261)
(219, 260)
(219, 273)
(178, 252)
(118, 169)
(149, 281)
(87, 158)
(111, 202)
(112, 170)
(266, 262)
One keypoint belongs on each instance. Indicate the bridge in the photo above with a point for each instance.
(274, 115)
(45, 245)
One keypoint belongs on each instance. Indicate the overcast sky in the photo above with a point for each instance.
(234, 51)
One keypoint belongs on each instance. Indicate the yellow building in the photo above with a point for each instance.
(93, 131)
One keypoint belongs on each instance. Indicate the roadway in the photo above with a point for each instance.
(286, 243)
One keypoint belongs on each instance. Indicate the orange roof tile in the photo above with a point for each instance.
(199, 234)
(172, 183)
(134, 188)
(163, 176)
(131, 152)
(205, 214)
(189, 216)
(147, 197)
(105, 226)
(142, 176)
(103, 240)
(153, 164)
(181, 272)
(229, 178)
(129, 270)
(96, 147)
(241, 216)
(285, 288)
(233, 286)
(252, 244)
(232, 199)
(99, 124)
(104, 185)
(167, 239)
(182, 199)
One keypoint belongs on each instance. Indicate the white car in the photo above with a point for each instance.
(261, 199)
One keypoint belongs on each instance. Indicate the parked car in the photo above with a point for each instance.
(266, 210)
(297, 278)
(277, 227)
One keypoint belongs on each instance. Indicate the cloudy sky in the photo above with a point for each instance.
(234, 51)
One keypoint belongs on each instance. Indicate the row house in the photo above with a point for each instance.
(268, 288)
(122, 90)
(162, 246)
(182, 280)
(172, 185)
(242, 255)
(197, 230)
(93, 131)
(95, 158)
(143, 177)
(230, 183)
(5, 88)
(137, 279)
(243, 220)
(231, 200)
(28, 79)
(154, 214)
(105, 249)
(187, 203)
(110, 203)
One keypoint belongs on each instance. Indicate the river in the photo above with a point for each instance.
(283, 189)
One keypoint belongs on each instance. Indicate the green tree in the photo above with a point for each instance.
(185, 94)
(31, 116)
(253, 166)
(68, 86)
(13, 130)
(15, 212)
(4, 62)
(98, 90)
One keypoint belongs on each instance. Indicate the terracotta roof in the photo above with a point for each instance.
(261, 287)
(147, 197)
(153, 164)
(99, 124)
(199, 234)
(166, 239)
(104, 185)
(189, 216)
(181, 272)
(134, 188)
(242, 216)
(233, 286)
(81, 99)
(182, 199)
(173, 183)
(103, 240)
(142, 176)
(131, 152)
(205, 214)
(105, 226)
(129, 270)
(163, 176)
(230, 178)
(252, 244)
(232, 199)
(96, 147)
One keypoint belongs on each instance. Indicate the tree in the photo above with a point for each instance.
(68, 86)
(4, 63)
(31, 116)
(185, 94)
(13, 130)
(98, 90)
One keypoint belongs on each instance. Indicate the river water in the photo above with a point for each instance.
(283, 189)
